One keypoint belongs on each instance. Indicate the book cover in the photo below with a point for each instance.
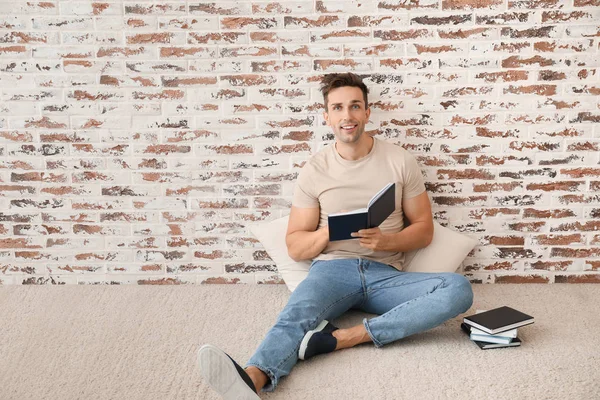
(381, 205)
(499, 319)
(508, 334)
(491, 338)
(485, 345)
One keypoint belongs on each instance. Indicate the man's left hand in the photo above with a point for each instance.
(372, 239)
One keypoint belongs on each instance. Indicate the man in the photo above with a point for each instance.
(362, 273)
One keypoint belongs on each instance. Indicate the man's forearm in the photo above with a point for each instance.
(304, 245)
(414, 236)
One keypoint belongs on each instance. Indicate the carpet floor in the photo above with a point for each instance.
(140, 342)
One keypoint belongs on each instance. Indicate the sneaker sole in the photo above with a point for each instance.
(220, 373)
(307, 337)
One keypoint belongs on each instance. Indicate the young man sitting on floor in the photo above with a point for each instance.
(363, 273)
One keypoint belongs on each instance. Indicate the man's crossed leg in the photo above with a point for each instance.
(407, 303)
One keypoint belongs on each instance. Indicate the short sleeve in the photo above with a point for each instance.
(304, 191)
(413, 179)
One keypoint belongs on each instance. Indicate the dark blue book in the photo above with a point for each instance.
(341, 225)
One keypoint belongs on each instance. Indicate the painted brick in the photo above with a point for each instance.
(342, 65)
(512, 18)
(521, 200)
(331, 6)
(181, 23)
(491, 266)
(14, 22)
(125, 23)
(521, 279)
(160, 9)
(591, 265)
(377, 21)
(399, 5)
(549, 265)
(182, 52)
(471, 62)
(283, 7)
(558, 240)
(343, 36)
(244, 22)
(193, 268)
(322, 21)
(405, 64)
(279, 37)
(216, 9)
(556, 213)
(579, 278)
(502, 47)
(525, 4)
(63, 23)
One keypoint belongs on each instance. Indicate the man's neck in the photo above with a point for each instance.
(355, 151)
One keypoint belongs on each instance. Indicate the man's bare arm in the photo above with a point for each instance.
(420, 231)
(304, 241)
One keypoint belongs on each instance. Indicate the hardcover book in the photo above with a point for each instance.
(381, 205)
(508, 334)
(490, 338)
(498, 320)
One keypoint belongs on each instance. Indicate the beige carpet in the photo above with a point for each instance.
(140, 342)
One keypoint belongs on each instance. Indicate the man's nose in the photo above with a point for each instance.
(345, 113)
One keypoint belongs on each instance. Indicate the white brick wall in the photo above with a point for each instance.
(140, 139)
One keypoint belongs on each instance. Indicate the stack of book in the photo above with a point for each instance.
(495, 328)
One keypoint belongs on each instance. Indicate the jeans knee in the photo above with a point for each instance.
(462, 292)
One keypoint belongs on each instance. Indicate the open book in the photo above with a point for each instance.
(341, 225)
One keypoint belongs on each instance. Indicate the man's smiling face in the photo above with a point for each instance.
(346, 113)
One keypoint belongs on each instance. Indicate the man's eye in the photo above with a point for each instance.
(355, 106)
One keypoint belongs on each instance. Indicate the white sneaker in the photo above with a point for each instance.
(224, 375)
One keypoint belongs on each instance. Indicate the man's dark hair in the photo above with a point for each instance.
(332, 81)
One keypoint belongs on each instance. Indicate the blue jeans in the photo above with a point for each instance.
(407, 303)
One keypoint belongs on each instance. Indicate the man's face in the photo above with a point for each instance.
(346, 113)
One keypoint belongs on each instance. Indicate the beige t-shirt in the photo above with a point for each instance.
(334, 184)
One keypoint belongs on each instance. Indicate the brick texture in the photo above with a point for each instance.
(139, 140)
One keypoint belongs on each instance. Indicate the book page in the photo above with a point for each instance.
(360, 210)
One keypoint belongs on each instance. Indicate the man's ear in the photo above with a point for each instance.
(326, 116)
(368, 112)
